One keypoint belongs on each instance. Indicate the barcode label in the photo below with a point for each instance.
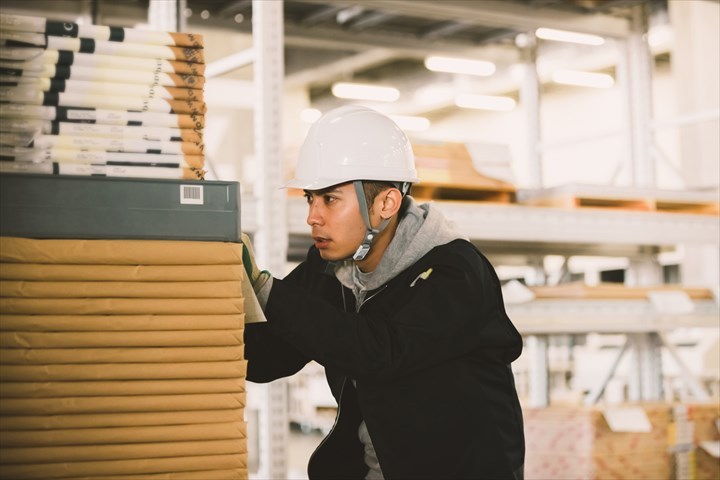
(191, 194)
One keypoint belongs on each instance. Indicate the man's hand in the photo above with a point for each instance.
(256, 276)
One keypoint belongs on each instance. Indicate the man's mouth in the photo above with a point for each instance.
(321, 242)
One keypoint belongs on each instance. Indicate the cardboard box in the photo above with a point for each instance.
(56, 206)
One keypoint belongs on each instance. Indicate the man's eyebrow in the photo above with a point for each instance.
(322, 191)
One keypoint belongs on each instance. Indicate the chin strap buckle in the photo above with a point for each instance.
(364, 247)
(361, 252)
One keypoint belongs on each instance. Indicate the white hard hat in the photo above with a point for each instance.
(353, 143)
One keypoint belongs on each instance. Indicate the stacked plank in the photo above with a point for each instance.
(446, 171)
(121, 358)
(613, 291)
(576, 443)
(695, 440)
(610, 197)
(96, 100)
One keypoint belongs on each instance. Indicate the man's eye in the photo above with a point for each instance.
(329, 199)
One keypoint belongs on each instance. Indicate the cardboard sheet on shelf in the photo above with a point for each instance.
(120, 323)
(121, 388)
(41, 289)
(119, 252)
(171, 354)
(81, 453)
(125, 435)
(119, 404)
(121, 273)
(121, 306)
(137, 467)
(120, 371)
(119, 419)
(232, 474)
(67, 340)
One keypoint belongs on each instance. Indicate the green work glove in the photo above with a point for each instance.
(256, 276)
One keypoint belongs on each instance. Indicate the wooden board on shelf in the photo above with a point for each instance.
(623, 198)
(609, 291)
(446, 172)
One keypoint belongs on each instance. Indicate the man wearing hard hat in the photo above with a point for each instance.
(404, 313)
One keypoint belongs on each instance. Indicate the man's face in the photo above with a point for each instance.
(337, 225)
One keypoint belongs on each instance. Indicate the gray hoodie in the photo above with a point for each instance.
(421, 229)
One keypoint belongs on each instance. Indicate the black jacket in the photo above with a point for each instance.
(430, 357)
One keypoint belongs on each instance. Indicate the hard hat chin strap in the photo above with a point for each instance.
(370, 233)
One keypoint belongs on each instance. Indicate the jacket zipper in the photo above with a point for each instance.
(357, 309)
(345, 379)
(337, 418)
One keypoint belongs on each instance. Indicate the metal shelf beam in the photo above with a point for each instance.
(487, 222)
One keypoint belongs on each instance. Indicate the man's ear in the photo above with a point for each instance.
(391, 200)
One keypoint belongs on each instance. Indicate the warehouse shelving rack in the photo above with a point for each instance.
(531, 232)
(527, 231)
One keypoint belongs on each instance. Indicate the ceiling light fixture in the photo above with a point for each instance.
(485, 102)
(359, 91)
(660, 36)
(583, 79)
(570, 37)
(411, 123)
(459, 65)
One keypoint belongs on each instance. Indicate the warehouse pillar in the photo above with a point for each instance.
(696, 69)
(167, 16)
(530, 102)
(537, 346)
(271, 236)
(646, 374)
(638, 72)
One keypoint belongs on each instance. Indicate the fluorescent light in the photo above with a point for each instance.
(661, 35)
(310, 115)
(411, 123)
(459, 65)
(358, 91)
(485, 102)
(583, 79)
(571, 37)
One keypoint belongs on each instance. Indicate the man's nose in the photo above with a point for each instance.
(314, 214)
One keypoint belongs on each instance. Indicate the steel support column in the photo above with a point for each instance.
(537, 346)
(167, 16)
(637, 65)
(530, 103)
(271, 236)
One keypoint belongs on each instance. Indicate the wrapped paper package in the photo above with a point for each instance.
(122, 358)
(55, 72)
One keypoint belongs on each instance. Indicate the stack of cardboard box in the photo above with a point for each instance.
(577, 442)
(121, 357)
(81, 99)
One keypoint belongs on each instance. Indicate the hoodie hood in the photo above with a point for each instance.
(421, 228)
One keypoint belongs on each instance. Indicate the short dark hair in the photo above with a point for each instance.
(373, 188)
